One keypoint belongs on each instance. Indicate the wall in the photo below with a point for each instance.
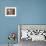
(28, 12)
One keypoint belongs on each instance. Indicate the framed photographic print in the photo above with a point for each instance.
(10, 11)
(33, 32)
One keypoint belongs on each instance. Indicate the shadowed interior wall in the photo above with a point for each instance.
(28, 12)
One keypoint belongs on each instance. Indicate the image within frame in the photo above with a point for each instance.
(10, 11)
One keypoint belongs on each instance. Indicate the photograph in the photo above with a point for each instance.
(10, 11)
(29, 34)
